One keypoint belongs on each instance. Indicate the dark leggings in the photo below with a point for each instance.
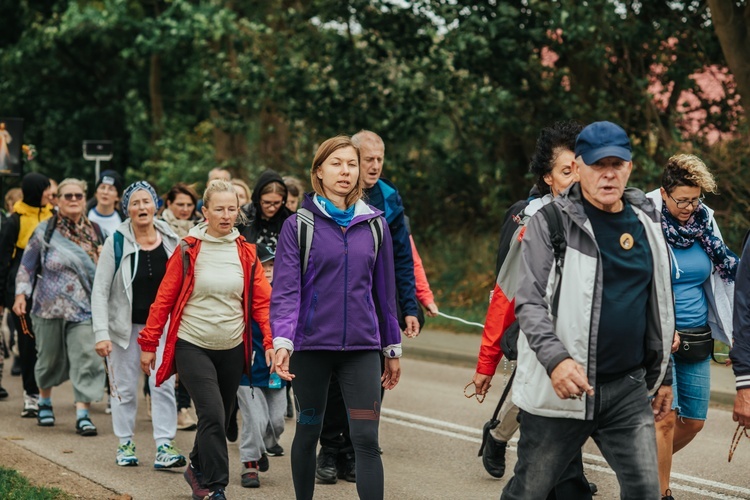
(212, 379)
(358, 373)
(26, 353)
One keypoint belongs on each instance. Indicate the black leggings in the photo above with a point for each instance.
(212, 379)
(358, 373)
(26, 352)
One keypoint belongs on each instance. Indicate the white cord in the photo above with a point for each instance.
(454, 318)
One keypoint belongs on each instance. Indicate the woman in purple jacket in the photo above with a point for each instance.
(337, 315)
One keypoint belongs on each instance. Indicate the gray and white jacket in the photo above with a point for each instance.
(112, 293)
(546, 340)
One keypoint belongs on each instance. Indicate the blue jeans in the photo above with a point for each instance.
(622, 427)
(692, 388)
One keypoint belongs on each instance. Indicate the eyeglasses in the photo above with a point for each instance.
(269, 204)
(738, 433)
(685, 203)
(480, 397)
(72, 196)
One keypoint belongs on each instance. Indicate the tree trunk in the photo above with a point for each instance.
(157, 103)
(731, 24)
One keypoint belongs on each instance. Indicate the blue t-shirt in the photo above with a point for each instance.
(691, 267)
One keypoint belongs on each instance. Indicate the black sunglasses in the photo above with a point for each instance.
(72, 196)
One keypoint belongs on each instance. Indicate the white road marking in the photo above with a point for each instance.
(449, 429)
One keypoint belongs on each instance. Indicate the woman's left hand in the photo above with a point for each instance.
(282, 364)
(392, 373)
(676, 342)
(271, 359)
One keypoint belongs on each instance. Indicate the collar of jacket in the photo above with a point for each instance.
(571, 202)
(363, 212)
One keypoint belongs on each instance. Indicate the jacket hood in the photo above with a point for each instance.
(33, 186)
(265, 179)
(23, 209)
(200, 232)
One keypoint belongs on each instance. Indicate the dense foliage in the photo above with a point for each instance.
(458, 89)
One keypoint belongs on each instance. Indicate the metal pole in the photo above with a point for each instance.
(96, 179)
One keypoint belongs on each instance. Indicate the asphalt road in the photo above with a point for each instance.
(430, 434)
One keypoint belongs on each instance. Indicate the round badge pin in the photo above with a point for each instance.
(626, 241)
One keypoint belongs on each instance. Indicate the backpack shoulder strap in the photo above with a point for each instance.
(376, 226)
(305, 227)
(52, 222)
(551, 213)
(185, 257)
(98, 231)
(118, 240)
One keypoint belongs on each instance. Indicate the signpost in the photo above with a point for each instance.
(97, 151)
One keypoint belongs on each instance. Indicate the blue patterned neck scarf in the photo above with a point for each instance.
(698, 228)
(341, 217)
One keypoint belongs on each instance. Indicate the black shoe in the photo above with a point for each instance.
(232, 430)
(667, 495)
(326, 472)
(347, 467)
(15, 370)
(594, 488)
(493, 457)
(275, 451)
(263, 463)
(3, 393)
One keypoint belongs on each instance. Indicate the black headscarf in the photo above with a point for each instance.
(261, 230)
(33, 186)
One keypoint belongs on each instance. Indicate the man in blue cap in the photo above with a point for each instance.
(597, 323)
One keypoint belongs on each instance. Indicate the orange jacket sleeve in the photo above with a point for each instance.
(500, 315)
(424, 294)
(261, 306)
(166, 299)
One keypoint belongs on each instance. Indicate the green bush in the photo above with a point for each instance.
(13, 486)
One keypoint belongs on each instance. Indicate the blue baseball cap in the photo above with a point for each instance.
(600, 140)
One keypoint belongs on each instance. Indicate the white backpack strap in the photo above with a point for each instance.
(305, 226)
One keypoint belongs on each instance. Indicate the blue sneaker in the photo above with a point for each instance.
(126, 455)
(217, 495)
(168, 457)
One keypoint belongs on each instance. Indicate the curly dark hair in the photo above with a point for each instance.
(561, 135)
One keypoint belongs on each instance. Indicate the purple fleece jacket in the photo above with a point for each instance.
(347, 299)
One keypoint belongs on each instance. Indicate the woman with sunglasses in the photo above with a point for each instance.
(703, 274)
(64, 251)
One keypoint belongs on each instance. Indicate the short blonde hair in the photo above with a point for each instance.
(220, 186)
(687, 170)
(324, 151)
(243, 185)
(71, 181)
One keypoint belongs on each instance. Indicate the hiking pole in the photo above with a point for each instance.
(455, 318)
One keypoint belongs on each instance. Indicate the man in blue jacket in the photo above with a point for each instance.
(336, 457)
(740, 353)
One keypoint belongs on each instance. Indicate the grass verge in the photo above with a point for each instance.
(13, 486)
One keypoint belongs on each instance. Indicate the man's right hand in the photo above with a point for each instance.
(569, 380)
(482, 383)
(741, 413)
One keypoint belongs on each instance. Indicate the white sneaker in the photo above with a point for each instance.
(126, 455)
(167, 456)
(30, 405)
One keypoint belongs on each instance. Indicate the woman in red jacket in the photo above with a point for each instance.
(212, 288)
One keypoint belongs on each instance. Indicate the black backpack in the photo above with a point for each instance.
(551, 212)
